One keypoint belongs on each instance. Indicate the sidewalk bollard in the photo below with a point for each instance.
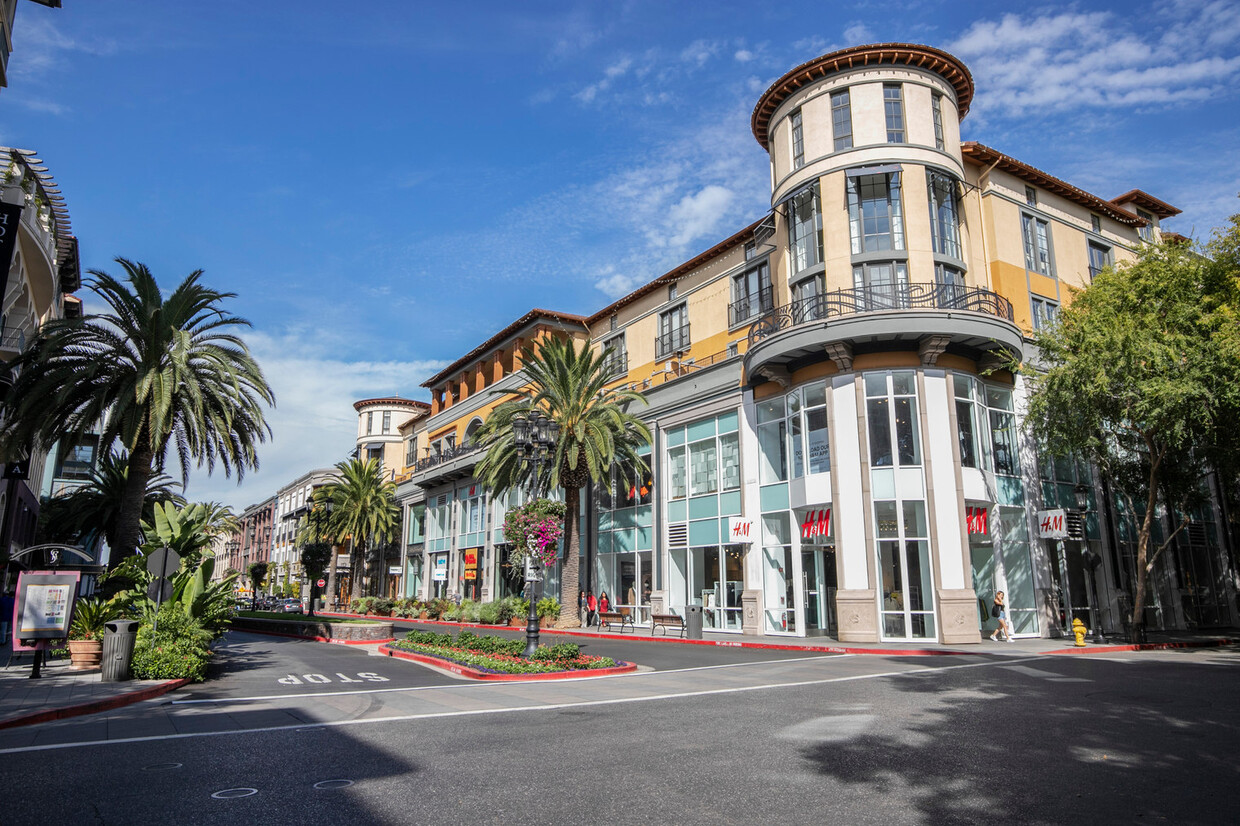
(118, 642)
(1078, 628)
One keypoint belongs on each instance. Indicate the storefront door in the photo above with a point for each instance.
(818, 589)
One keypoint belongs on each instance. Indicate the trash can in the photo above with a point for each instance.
(693, 621)
(118, 641)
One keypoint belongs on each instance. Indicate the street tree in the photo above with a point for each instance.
(257, 573)
(315, 557)
(362, 510)
(315, 528)
(154, 374)
(568, 385)
(1141, 375)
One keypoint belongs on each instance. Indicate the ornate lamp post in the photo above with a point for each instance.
(534, 438)
(1091, 562)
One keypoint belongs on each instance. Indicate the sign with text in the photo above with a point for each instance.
(817, 524)
(440, 573)
(740, 530)
(43, 607)
(471, 557)
(1052, 525)
(977, 520)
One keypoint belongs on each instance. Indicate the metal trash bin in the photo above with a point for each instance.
(118, 641)
(693, 621)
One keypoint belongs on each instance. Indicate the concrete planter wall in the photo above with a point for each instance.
(348, 631)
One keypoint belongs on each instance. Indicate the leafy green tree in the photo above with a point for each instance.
(597, 431)
(257, 572)
(94, 509)
(315, 557)
(1141, 375)
(363, 509)
(152, 373)
(315, 528)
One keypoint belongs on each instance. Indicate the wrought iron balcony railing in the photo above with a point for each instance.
(672, 342)
(446, 456)
(743, 309)
(858, 300)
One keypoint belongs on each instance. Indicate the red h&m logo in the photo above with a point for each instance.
(740, 531)
(817, 523)
(977, 520)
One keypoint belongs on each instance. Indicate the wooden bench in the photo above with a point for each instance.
(666, 622)
(609, 618)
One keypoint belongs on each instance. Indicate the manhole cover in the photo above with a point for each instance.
(333, 784)
(161, 767)
(229, 794)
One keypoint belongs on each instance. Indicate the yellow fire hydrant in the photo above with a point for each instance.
(1078, 628)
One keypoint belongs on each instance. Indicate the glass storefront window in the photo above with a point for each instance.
(703, 468)
(1003, 431)
(798, 444)
(891, 415)
(772, 441)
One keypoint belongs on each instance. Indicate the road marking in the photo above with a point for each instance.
(402, 718)
(261, 697)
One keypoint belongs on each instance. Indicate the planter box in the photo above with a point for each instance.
(85, 654)
(346, 631)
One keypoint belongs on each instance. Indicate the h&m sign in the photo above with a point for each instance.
(1052, 524)
(817, 524)
(740, 530)
(977, 520)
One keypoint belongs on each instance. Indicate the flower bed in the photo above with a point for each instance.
(499, 655)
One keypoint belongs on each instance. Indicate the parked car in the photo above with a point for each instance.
(290, 606)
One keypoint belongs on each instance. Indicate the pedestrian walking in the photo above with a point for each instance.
(999, 612)
(591, 609)
(581, 607)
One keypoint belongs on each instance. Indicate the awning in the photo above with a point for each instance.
(794, 193)
(861, 171)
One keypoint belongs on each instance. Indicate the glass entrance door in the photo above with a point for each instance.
(908, 602)
(818, 589)
(715, 581)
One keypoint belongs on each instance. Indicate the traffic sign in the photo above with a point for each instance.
(322, 583)
(159, 590)
(163, 561)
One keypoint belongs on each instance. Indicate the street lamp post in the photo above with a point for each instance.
(1090, 561)
(534, 437)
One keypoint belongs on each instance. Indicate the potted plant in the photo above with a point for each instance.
(86, 632)
(548, 612)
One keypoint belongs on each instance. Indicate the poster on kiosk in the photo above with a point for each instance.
(43, 608)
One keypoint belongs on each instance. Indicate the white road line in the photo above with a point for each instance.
(477, 712)
(260, 697)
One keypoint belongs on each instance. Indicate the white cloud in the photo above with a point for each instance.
(314, 423)
(699, 215)
(743, 56)
(615, 284)
(1055, 62)
(858, 33)
(699, 52)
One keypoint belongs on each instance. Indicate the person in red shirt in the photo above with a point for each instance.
(604, 604)
(591, 609)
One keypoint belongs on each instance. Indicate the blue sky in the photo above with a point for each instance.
(386, 184)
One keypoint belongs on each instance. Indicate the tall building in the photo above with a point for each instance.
(836, 439)
(293, 501)
(39, 271)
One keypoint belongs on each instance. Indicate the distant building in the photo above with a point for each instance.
(8, 11)
(293, 501)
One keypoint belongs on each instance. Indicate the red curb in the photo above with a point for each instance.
(466, 671)
(95, 706)
(1144, 646)
(769, 646)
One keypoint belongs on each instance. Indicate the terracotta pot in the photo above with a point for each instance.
(423, 616)
(517, 622)
(546, 622)
(85, 654)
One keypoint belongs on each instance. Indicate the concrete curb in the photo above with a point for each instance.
(473, 674)
(1091, 648)
(94, 706)
(308, 638)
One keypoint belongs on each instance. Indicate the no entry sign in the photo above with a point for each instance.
(322, 583)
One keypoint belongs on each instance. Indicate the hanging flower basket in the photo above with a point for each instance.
(534, 529)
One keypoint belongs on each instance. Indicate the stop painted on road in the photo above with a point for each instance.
(323, 679)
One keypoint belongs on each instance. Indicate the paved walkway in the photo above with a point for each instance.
(62, 692)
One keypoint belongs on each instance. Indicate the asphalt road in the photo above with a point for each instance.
(977, 739)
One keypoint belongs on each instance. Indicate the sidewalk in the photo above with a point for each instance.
(1158, 641)
(62, 692)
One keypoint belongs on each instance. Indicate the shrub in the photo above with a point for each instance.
(488, 613)
(451, 614)
(178, 649)
(562, 652)
(381, 606)
(549, 607)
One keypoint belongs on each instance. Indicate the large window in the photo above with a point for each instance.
(1099, 259)
(881, 286)
(936, 111)
(841, 120)
(617, 360)
(751, 293)
(971, 422)
(891, 413)
(713, 464)
(793, 434)
(944, 214)
(798, 140)
(387, 421)
(1036, 234)
(805, 229)
(772, 440)
(1044, 311)
(673, 332)
(77, 458)
(1146, 232)
(875, 217)
(893, 107)
(1003, 431)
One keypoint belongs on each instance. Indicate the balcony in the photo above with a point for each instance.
(454, 463)
(672, 342)
(934, 317)
(750, 306)
(617, 364)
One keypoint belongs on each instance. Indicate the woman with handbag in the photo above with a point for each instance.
(999, 612)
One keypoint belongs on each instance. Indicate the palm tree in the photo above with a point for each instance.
(93, 510)
(218, 519)
(364, 509)
(596, 432)
(151, 373)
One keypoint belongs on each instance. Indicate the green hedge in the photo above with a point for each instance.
(178, 650)
(500, 654)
